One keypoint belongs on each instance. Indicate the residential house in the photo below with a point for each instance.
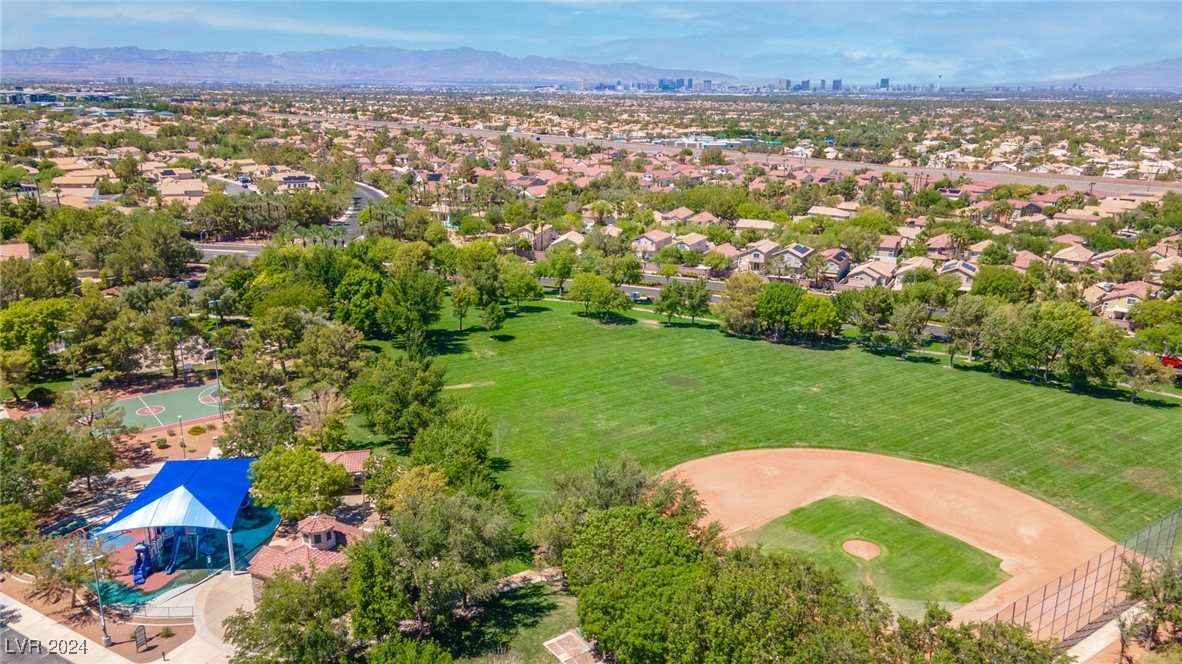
(755, 257)
(19, 250)
(1024, 259)
(909, 264)
(870, 273)
(941, 247)
(1075, 256)
(965, 271)
(790, 259)
(976, 250)
(647, 245)
(538, 239)
(831, 212)
(837, 264)
(572, 238)
(1114, 301)
(890, 247)
(703, 217)
(679, 214)
(754, 224)
(692, 242)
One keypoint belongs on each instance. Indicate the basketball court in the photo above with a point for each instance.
(161, 409)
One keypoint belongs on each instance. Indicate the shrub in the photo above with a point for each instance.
(161, 443)
(166, 632)
(42, 396)
(172, 433)
(196, 431)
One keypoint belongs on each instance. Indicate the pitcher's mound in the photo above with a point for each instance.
(861, 548)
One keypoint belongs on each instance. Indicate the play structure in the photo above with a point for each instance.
(180, 512)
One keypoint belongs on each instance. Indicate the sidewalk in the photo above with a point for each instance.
(35, 625)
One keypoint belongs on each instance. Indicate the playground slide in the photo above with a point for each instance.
(176, 550)
(137, 572)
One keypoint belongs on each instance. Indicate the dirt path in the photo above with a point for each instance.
(1035, 541)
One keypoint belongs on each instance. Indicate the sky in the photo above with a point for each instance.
(858, 42)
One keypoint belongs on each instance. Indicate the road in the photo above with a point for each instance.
(1103, 185)
(210, 250)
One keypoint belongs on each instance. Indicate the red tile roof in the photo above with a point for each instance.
(270, 559)
(352, 460)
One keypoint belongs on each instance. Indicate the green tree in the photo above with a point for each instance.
(412, 486)
(458, 444)
(816, 315)
(253, 433)
(965, 325)
(463, 297)
(492, 317)
(671, 300)
(1002, 282)
(358, 299)
(909, 321)
(518, 282)
(558, 265)
(1146, 372)
(251, 377)
(697, 300)
(776, 305)
(412, 301)
(32, 325)
(16, 370)
(297, 482)
(736, 305)
(297, 619)
(398, 397)
(397, 649)
(329, 355)
(435, 557)
(1095, 355)
(627, 566)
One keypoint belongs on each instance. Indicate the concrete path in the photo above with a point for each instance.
(34, 625)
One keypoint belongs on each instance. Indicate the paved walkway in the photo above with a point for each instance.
(35, 625)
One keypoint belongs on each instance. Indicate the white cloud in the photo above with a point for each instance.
(217, 15)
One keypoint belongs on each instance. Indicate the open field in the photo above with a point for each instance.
(565, 390)
(915, 562)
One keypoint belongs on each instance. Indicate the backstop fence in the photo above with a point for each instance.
(1082, 600)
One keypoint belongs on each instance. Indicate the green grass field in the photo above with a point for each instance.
(915, 562)
(565, 390)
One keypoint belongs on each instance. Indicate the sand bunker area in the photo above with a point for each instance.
(861, 548)
(1035, 541)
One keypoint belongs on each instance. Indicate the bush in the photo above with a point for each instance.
(172, 433)
(196, 431)
(166, 632)
(42, 396)
(161, 443)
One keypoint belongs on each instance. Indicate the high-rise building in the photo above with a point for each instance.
(837, 84)
(884, 84)
(689, 84)
(785, 84)
(707, 86)
(806, 85)
(680, 83)
(581, 84)
(822, 84)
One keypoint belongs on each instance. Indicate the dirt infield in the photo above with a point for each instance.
(1035, 541)
(861, 548)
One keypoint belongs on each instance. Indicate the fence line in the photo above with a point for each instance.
(1081, 600)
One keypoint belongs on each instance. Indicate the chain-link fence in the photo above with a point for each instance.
(1080, 601)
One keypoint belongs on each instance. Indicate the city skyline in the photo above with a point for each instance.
(969, 42)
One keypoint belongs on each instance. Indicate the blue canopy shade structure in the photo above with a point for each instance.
(202, 493)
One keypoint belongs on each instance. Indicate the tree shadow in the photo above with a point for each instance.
(686, 325)
(499, 464)
(502, 337)
(448, 342)
(502, 617)
(531, 309)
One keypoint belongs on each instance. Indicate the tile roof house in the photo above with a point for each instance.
(755, 256)
(1115, 304)
(648, 244)
(837, 263)
(940, 247)
(354, 462)
(19, 250)
(692, 242)
(320, 539)
(1075, 257)
(909, 264)
(963, 270)
(792, 257)
(870, 273)
(1024, 259)
(890, 247)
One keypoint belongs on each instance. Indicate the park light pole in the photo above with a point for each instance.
(98, 593)
(217, 374)
(66, 335)
(180, 425)
(217, 324)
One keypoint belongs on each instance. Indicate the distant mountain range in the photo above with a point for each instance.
(1159, 75)
(359, 64)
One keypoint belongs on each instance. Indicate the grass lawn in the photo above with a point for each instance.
(514, 626)
(915, 562)
(564, 390)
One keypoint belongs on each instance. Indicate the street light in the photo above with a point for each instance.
(98, 593)
(180, 425)
(217, 373)
(65, 335)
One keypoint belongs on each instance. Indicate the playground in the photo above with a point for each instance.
(160, 410)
